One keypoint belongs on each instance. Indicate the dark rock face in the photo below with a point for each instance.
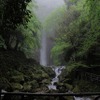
(17, 73)
(50, 72)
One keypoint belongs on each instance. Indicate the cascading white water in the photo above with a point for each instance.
(45, 7)
(52, 86)
(57, 71)
(81, 98)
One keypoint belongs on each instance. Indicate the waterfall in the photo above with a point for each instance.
(45, 7)
(43, 58)
(57, 71)
(52, 86)
(81, 98)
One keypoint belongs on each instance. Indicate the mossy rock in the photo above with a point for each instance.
(68, 98)
(86, 86)
(18, 78)
(49, 71)
(69, 86)
(63, 75)
(42, 90)
(16, 86)
(27, 87)
(44, 75)
(34, 84)
(46, 81)
(41, 76)
(4, 83)
(21, 73)
(61, 87)
(76, 89)
(37, 77)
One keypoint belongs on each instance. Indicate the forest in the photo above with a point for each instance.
(76, 26)
(76, 29)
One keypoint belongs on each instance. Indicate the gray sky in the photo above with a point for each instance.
(45, 7)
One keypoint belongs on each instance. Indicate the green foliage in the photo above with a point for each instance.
(56, 17)
(58, 52)
(94, 30)
(85, 86)
(75, 66)
(14, 13)
(77, 32)
(30, 40)
(60, 25)
(16, 86)
(19, 26)
(4, 83)
(17, 17)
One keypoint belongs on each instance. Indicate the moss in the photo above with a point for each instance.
(46, 81)
(86, 86)
(69, 98)
(76, 89)
(20, 73)
(37, 77)
(68, 86)
(44, 75)
(17, 78)
(16, 86)
(27, 87)
(49, 71)
(4, 83)
(34, 84)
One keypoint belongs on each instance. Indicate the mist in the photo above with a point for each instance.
(45, 7)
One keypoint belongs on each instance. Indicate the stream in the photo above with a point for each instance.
(45, 7)
(52, 86)
(57, 71)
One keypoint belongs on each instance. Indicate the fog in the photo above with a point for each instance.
(45, 7)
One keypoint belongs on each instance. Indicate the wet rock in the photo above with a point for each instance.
(63, 75)
(76, 89)
(46, 81)
(17, 78)
(27, 87)
(16, 86)
(62, 87)
(49, 71)
(42, 90)
(22, 74)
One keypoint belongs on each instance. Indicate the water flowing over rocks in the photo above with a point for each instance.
(57, 86)
(57, 71)
(60, 81)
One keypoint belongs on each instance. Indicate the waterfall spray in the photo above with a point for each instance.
(43, 58)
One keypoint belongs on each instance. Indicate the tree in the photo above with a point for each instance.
(13, 13)
(61, 20)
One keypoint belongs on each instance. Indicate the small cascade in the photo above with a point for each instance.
(52, 86)
(57, 71)
(81, 98)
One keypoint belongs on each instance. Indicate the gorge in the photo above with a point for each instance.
(47, 42)
(44, 9)
(50, 46)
